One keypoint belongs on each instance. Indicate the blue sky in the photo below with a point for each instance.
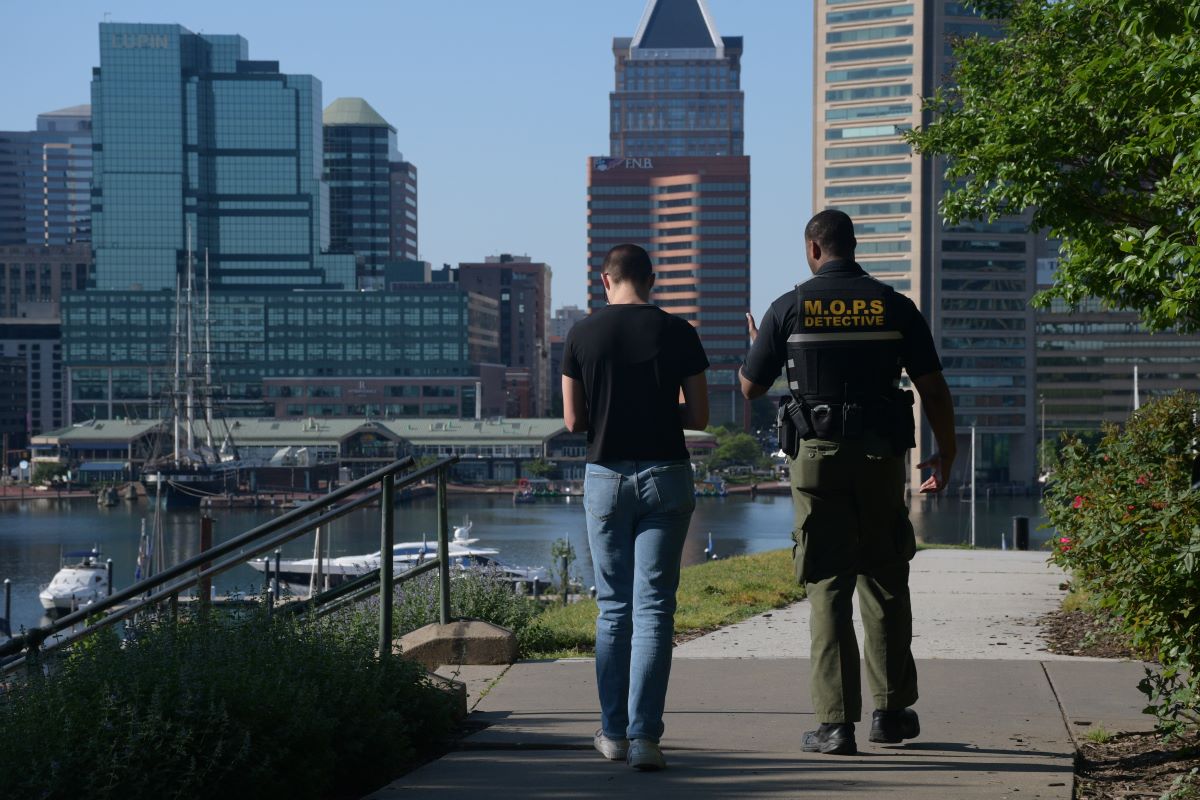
(498, 103)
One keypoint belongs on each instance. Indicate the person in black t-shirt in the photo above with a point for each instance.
(624, 369)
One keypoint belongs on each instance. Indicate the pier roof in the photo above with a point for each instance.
(305, 431)
(429, 431)
(99, 430)
(270, 432)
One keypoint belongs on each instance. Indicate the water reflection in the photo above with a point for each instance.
(34, 533)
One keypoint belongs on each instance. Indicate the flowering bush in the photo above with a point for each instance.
(1128, 525)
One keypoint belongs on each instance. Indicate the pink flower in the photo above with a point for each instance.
(1078, 501)
(1143, 480)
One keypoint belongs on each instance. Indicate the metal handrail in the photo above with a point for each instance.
(227, 555)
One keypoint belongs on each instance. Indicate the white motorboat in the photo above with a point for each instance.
(77, 584)
(463, 552)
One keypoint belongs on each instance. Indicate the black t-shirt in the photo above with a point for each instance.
(632, 360)
(769, 351)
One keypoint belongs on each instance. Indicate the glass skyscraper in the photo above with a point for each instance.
(119, 349)
(372, 190)
(189, 132)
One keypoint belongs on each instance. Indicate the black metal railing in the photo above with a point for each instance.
(166, 586)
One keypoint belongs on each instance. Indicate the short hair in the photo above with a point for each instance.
(834, 231)
(628, 262)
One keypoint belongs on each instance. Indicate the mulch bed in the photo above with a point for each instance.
(1080, 633)
(1128, 765)
(1137, 765)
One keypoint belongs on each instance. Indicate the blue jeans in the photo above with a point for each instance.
(637, 518)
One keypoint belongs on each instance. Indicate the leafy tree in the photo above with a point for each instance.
(48, 472)
(1087, 112)
(538, 468)
(736, 448)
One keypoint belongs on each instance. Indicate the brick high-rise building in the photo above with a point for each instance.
(45, 180)
(14, 407)
(45, 251)
(523, 288)
(678, 183)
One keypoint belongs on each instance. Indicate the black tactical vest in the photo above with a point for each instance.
(846, 346)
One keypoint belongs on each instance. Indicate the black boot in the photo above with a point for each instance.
(893, 727)
(832, 738)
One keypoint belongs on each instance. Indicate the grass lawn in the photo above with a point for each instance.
(711, 595)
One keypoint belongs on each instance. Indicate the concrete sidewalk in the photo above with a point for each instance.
(966, 604)
(992, 727)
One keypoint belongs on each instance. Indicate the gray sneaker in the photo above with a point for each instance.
(645, 755)
(612, 749)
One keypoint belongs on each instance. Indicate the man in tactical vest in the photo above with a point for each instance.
(843, 339)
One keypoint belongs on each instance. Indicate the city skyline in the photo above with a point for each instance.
(530, 201)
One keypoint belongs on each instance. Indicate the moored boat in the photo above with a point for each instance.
(463, 552)
(77, 584)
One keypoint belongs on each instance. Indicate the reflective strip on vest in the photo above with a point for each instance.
(856, 336)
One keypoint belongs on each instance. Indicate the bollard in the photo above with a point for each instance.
(537, 588)
(108, 570)
(204, 589)
(1020, 526)
(592, 592)
(8, 603)
(278, 575)
(566, 581)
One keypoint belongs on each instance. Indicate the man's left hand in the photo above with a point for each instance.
(751, 327)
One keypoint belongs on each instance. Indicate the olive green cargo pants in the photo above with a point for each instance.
(852, 528)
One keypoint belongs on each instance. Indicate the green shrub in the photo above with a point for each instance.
(475, 594)
(1128, 527)
(214, 709)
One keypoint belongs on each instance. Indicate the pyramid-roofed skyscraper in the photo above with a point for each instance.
(677, 181)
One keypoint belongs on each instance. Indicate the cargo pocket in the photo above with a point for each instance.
(801, 553)
(906, 538)
(600, 491)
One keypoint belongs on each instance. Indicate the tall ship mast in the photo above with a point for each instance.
(191, 472)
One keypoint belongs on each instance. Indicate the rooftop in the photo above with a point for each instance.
(262, 432)
(70, 111)
(677, 24)
(353, 111)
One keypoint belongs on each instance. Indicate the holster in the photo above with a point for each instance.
(901, 430)
(791, 425)
(838, 421)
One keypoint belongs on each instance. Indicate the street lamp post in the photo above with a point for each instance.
(1042, 447)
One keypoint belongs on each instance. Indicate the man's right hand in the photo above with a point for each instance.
(941, 473)
(751, 327)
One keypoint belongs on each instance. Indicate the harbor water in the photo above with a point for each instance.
(35, 532)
